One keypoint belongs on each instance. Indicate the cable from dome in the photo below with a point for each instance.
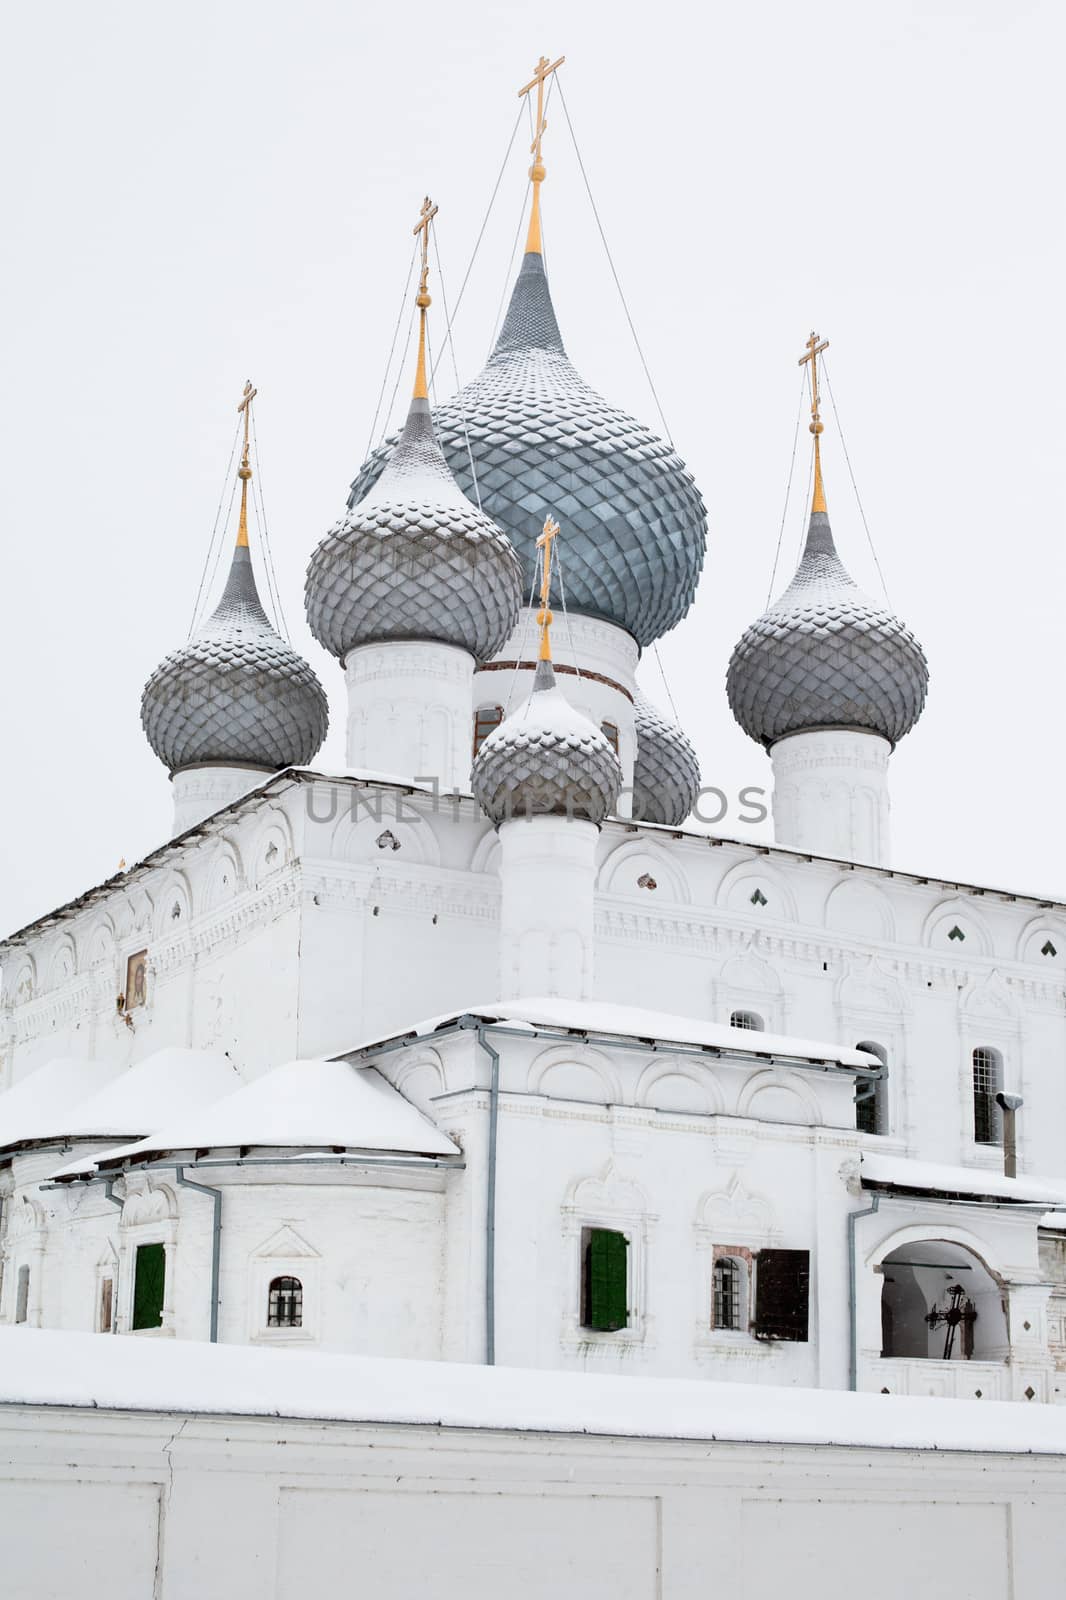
(854, 485)
(214, 532)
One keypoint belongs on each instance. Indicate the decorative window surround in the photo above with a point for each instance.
(617, 1203)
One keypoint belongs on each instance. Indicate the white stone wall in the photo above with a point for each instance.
(242, 1506)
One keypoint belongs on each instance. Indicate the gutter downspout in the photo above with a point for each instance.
(490, 1204)
(109, 1194)
(853, 1311)
(216, 1242)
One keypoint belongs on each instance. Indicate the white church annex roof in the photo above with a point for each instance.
(654, 1029)
(168, 1083)
(50, 1097)
(932, 1178)
(43, 1367)
(306, 1104)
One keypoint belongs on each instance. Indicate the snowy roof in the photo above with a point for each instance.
(309, 1104)
(39, 1367)
(928, 1177)
(50, 1095)
(607, 1020)
(166, 1084)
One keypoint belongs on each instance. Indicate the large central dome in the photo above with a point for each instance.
(543, 441)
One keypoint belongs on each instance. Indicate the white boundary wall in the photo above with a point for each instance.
(576, 1498)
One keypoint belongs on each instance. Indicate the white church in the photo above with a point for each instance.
(482, 1050)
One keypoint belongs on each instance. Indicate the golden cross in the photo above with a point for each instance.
(541, 74)
(244, 471)
(428, 212)
(246, 407)
(544, 616)
(814, 350)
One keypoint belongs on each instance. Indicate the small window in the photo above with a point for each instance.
(485, 719)
(610, 733)
(604, 1280)
(746, 1019)
(871, 1098)
(22, 1295)
(987, 1082)
(782, 1295)
(728, 1309)
(285, 1303)
(149, 1280)
(106, 1312)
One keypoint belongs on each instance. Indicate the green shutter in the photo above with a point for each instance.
(606, 1280)
(149, 1278)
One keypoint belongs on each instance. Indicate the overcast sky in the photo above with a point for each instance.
(198, 193)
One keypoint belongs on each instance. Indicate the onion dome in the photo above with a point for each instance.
(666, 773)
(825, 655)
(236, 694)
(534, 437)
(413, 558)
(546, 760)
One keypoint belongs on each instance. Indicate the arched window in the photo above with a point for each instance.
(610, 733)
(987, 1082)
(746, 1019)
(285, 1304)
(728, 1308)
(485, 719)
(939, 1302)
(871, 1099)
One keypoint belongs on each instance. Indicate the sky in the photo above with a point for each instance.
(198, 194)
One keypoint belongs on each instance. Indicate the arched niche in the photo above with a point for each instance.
(940, 1302)
(677, 1086)
(638, 870)
(859, 910)
(63, 963)
(272, 847)
(173, 906)
(1042, 945)
(224, 878)
(421, 1079)
(955, 926)
(370, 833)
(757, 889)
(566, 1072)
(775, 1096)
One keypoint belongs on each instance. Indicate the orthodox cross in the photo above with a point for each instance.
(542, 72)
(428, 212)
(245, 472)
(814, 350)
(544, 617)
(959, 1312)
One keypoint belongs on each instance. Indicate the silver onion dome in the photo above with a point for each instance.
(236, 694)
(825, 655)
(538, 439)
(666, 773)
(546, 760)
(414, 559)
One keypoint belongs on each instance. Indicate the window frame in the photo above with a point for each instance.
(739, 1262)
(750, 1021)
(878, 1096)
(986, 1118)
(138, 1247)
(587, 1288)
(286, 1283)
(492, 722)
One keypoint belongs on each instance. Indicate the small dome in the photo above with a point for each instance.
(666, 773)
(825, 655)
(236, 694)
(414, 559)
(541, 440)
(546, 760)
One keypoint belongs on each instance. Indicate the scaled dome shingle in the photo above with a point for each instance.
(666, 773)
(236, 694)
(541, 440)
(414, 559)
(546, 760)
(825, 655)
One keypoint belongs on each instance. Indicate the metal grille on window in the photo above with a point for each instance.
(870, 1097)
(746, 1019)
(728, 1283)
(485, 719)
(285, 1305)
(986, 1082)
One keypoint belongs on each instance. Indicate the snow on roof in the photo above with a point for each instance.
(604, 1018)
(302, 1103)
(33, 1107)
(182, 1376)
(927, 1177)
(168, 1083)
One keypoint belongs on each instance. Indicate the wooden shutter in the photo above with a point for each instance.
(782, 1294)
(148, 1282)
(606, 1280)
